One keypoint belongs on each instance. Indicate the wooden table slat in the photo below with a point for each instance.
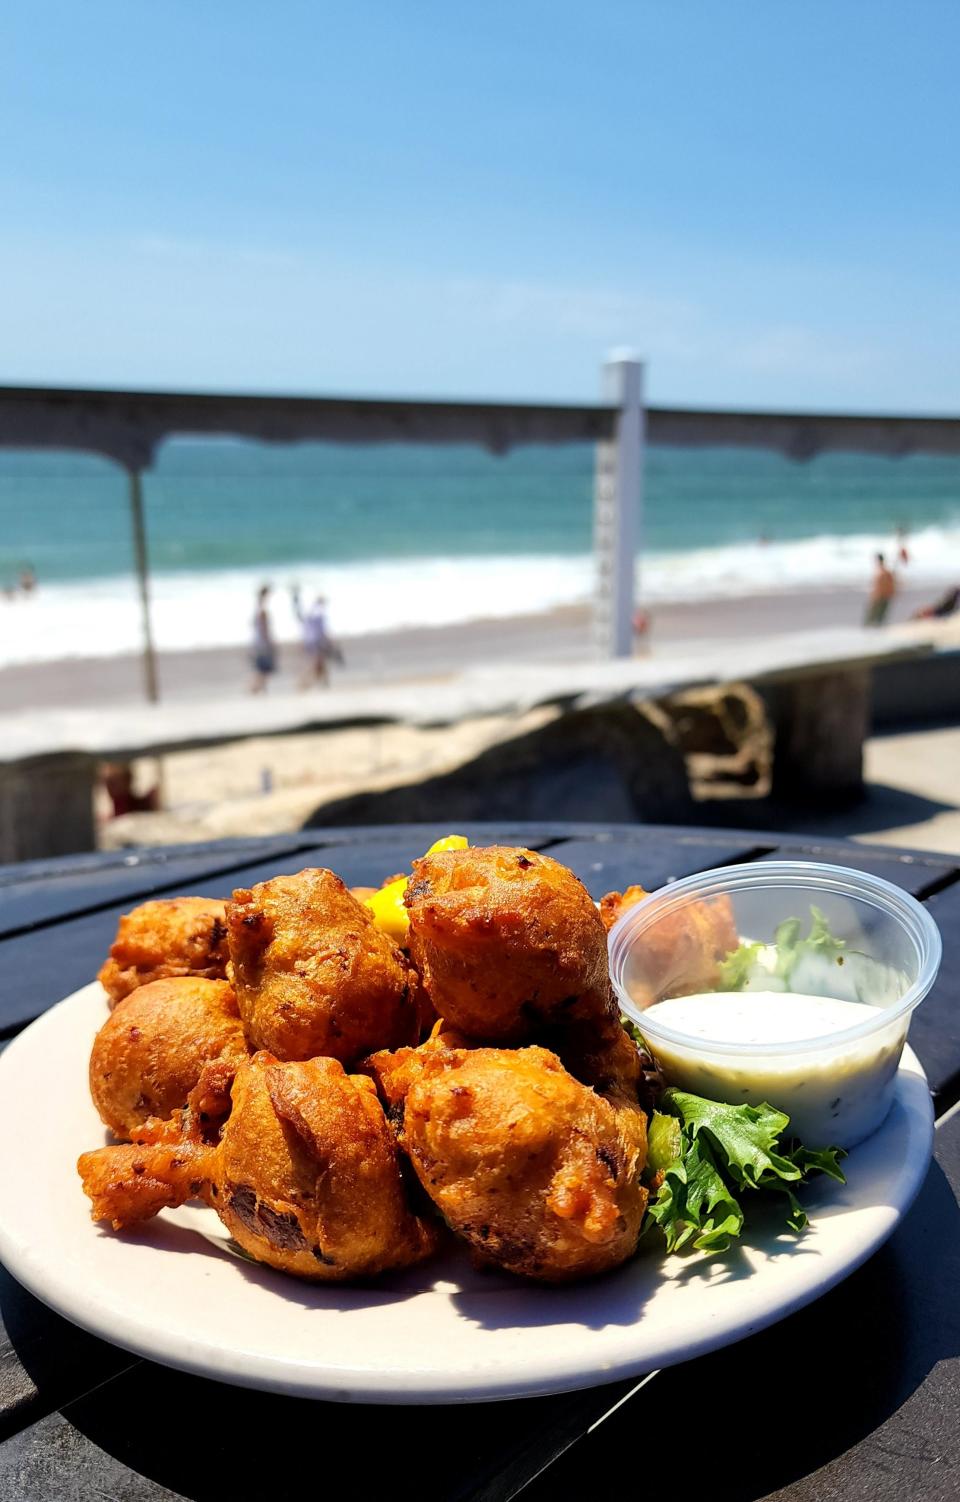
(534, 834)
(918, 875)
(935, 1025)
(43, 893)
(658, 857)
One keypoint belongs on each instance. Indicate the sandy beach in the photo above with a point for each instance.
(559, 635)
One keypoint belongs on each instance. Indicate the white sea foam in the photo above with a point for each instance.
(100, 617)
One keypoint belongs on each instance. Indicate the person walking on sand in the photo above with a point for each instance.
(882, 591)
(318, 648)
(263, 652)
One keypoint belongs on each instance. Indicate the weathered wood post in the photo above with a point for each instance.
(150, 681)
(617, 508)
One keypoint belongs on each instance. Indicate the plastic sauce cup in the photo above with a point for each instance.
(837, 1087)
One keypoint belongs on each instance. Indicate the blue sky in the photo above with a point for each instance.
(435, 199)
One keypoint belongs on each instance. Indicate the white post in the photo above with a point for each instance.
(617, 510)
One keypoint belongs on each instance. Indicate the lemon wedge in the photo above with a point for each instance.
(387, 906)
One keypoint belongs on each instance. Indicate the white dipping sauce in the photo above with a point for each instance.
(833, 1094)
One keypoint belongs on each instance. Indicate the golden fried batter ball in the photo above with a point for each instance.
(506, 941)
(512, 949)
(305, 1177)
(172, 936)
(313, 973)
(615, 904)
(680, 954)
(535, 1170)
(309, 1178)
(601, 1054)
(394, 1070)
(152, 1048)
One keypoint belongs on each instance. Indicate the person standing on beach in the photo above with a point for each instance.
(263, 653)
(882, 591)
(641, 630)
(318, 648)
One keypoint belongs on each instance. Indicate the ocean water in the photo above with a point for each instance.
(398, 536)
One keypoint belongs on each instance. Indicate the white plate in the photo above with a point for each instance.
(442, 1333)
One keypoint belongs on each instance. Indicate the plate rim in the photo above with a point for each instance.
(395, 1385)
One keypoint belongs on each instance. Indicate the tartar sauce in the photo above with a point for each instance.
(833, 1094)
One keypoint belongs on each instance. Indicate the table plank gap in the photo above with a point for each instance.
(937, 885)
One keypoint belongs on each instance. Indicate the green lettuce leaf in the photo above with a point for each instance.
(819, 944)
(664, 1142)
(815, 964)
(737, 968)
(745, 1136)
(632, 1031)
(795, 1218)
(814, 1160)
(694, 1204)
(786, 939)
(820, 937)
(823, 965)
(724, 1151)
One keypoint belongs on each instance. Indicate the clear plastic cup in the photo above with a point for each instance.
(812, 1026)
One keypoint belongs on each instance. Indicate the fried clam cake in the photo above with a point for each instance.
(682, 952)
(537, 1172)
(313, 973)
(153, 1047)
(305, 1175)
(171, 936)
(614, 904)
(511, 949)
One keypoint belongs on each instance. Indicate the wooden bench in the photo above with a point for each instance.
(816, 686)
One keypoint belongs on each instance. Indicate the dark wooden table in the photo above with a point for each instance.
(857, 1396)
